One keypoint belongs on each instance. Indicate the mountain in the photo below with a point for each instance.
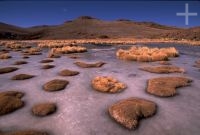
(89, 27)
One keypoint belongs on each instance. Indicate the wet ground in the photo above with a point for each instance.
(84, 111)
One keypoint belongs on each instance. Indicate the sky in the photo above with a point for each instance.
(48, 12)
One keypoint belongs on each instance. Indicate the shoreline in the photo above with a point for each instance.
(119, 41)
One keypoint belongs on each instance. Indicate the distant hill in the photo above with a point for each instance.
(89, 27)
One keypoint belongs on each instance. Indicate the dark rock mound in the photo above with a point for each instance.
(46, 61)
(20, 62)
(43, 109)
(166, 86)
(55, 85)
(7, 70)
(22, 77)
(163, 69)
(89, 65)
(47, 66)
(10, 101)
(67, 72)
(128, 112)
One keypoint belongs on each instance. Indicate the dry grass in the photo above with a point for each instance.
(166, 86)
(89, 65)
(145, 54)
(163, 69)
(68, 49)
(128, 112)
(22, 77)
(107, 84)
(67, 72)
(5, 56)
(55, 85)
(10, 101)
(43, 109)
(7, 70)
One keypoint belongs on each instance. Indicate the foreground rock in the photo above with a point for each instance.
(22, 77)
(55, 85)
(166, 86)
(67, 72)
(43, 109)
(47, 66)
(89, 65)
(26, 132)
(46, 61)
(107, 84)
(7, 70)
(145, 54)
(128, 112)
(20, 62)
(163, 69)
(10, 101)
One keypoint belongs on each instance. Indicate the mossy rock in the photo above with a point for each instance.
(22, 77)
(128, 112)
(55, 85)
(67, 72)
(43, 109)
(7, 70)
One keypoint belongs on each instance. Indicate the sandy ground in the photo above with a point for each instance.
(83, 111)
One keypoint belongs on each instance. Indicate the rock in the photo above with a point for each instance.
(22, 77)
(7, 70)
(25, 57)
(67, 72)
(128, 112)
(107, 84)
(89, 65)
(47, 66)
(166, 86)
(5, 56)
(46, 61)
(55, 85)
(20, 62)
(164, 63)
(10, 101)
(43, 109)
(26, 132)
(197, 64)
(163, 69)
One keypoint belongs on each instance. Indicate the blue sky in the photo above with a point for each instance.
(31, 13)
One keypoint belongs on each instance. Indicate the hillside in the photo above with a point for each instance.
(86, 27)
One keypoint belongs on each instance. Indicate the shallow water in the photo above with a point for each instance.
(81, 110)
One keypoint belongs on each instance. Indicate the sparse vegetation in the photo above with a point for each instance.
(145, 54)
(166, 86)
(107, 84)
(128, 112)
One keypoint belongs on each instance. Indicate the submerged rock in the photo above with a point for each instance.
(55, 85)
(166, 86)
(107, 84)
(128, 112)
(43, 109)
